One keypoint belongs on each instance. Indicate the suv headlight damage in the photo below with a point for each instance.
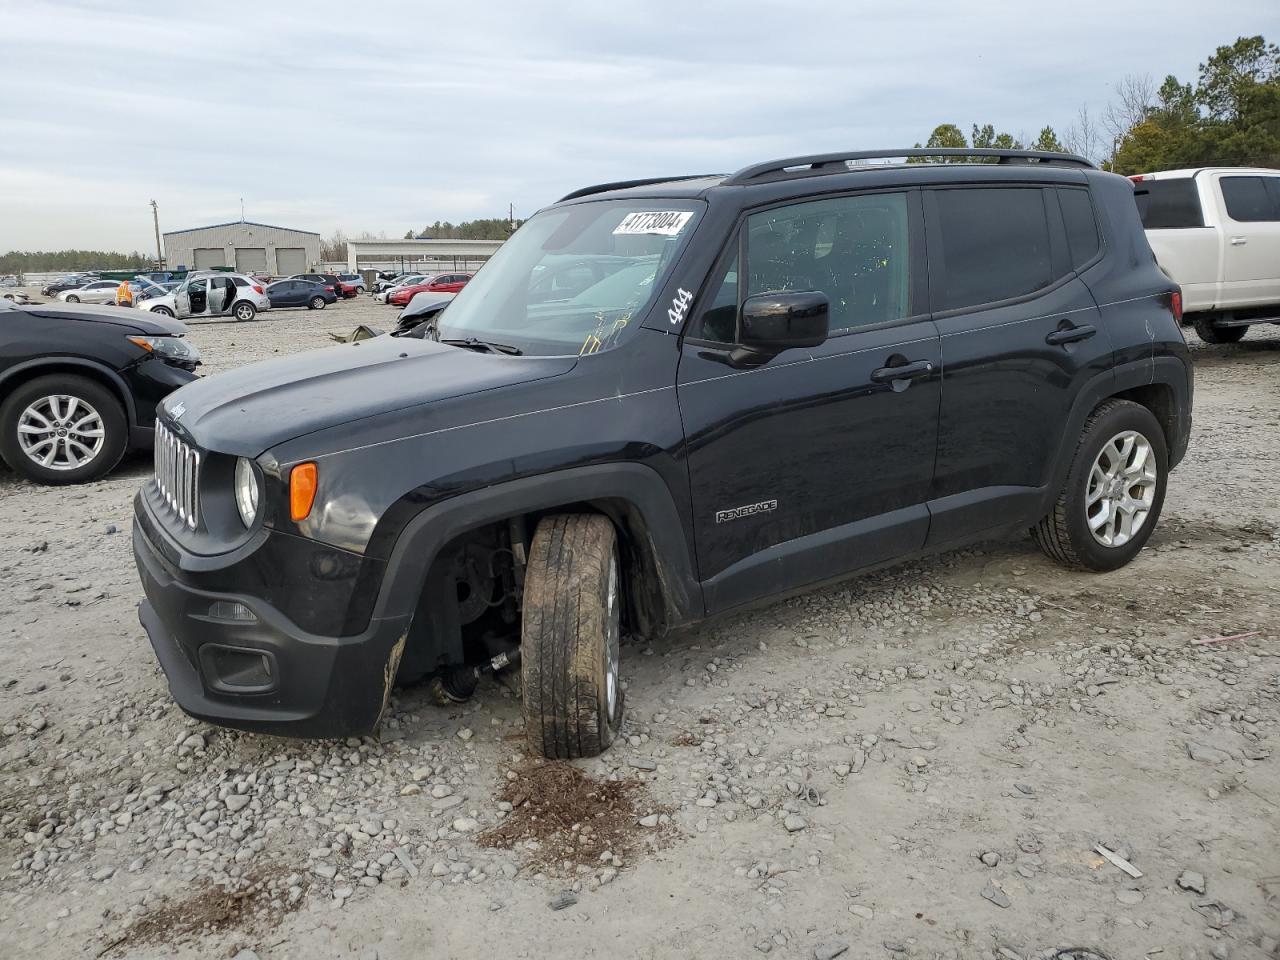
(246, 491)
(171, 349)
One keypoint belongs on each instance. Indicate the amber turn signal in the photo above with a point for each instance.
(302, 490)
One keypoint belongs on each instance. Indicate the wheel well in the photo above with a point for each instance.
(1159, 399)
(88, 372)
(440, 637)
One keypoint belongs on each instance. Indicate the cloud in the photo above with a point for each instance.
(391, 116)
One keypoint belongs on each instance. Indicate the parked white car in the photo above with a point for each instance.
(99, 291)
(401, 281)
(212, 295)
(1216, 231)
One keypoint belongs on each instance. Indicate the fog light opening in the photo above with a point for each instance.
(237, 669)
(232, 610)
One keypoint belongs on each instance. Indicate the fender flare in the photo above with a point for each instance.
(639, 491)
(54, 361)
(1169, 371)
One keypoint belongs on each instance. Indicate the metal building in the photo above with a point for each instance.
(244, 245)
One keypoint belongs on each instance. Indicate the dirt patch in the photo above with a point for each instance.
(206, 911)
(561, 818)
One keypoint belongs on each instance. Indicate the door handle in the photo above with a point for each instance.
(1239, 241)
(903, 372)
(1067, 333)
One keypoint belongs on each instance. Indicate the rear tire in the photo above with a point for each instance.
(73, 299)
(93, 430)
(1207, 331)
(317, 303)
(570, 637)
(1113, 492)
(244, 311)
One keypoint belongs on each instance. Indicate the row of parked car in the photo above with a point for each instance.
(399, 290)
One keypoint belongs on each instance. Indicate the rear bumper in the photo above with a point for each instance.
(252, 668)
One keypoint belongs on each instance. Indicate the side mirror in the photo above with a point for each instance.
(773, 322)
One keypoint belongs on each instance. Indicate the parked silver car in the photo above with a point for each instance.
(99, 291)
(212, 295)
(400, 281)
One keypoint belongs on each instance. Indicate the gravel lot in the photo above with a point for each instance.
(918, 763)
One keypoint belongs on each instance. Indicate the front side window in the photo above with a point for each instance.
(995, 245)
(631, 244)
(853, 249)
(1248, 200)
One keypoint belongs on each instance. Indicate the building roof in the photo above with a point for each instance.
(246, 223)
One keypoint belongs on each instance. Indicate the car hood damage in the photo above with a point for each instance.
(251, 409)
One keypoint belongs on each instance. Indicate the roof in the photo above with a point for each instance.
(244, 223)
(1196, 171)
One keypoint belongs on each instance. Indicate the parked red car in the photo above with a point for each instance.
(441, 283)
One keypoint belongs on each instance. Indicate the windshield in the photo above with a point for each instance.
(573, 279)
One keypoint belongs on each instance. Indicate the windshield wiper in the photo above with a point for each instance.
(471, 343)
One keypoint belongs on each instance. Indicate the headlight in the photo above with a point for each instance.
(246, 491)
(168, 348)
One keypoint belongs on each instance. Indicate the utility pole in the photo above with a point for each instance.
(511, 219)
(155, 216)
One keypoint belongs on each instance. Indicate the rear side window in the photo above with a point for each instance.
(240, 281)
(1082, 227)
(1169, 204)
(995, 245)
(1248, 200)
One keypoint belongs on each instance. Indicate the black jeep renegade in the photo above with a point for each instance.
(660, 401)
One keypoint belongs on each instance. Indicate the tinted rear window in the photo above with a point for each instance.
(995, 245)
(1168, 204)
(1248, 200)
(1082, 227)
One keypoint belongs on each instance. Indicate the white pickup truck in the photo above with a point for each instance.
(1216, 231)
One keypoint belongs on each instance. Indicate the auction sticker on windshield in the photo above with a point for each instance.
(662, 223)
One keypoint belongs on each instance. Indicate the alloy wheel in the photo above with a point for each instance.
(1121, 489)
(61, 432)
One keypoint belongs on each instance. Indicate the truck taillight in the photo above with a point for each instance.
(1138, 178)
(1175, 301)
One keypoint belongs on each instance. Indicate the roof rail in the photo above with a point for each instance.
(624, 184)
(836, 162)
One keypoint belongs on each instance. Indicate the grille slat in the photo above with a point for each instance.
(177, 478)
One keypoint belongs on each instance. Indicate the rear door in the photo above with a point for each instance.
(1021, 334)
(1251, 260)
(819, 461)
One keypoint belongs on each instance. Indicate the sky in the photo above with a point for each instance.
(383, 117)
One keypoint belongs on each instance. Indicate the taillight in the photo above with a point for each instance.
(1175, 301)
(1138, 178)
(257, 289)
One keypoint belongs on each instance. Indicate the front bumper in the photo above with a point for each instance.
(301, 685)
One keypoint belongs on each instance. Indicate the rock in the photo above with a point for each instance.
(245, 955)
(237, 802)
(465, 734)
(990, 858)
(105, 873)
(441, 790)
(447, 803)
(193, 742)
(1129, 896)
(1205, 754)
(650, 821)
(1190, 880)
(466, 825)
(862, 911)
(566, 898)
(326, 870)
(829, 950)
(996, 895)
(795, 823)
(641, 763)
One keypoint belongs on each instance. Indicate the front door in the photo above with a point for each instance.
(819, 461)
(1021, 335)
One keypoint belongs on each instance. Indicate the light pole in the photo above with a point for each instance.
(155, 216)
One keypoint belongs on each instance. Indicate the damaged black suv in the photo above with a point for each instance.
(661, 401)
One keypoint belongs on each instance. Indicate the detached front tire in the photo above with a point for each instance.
(570, 637)
(1110, 502)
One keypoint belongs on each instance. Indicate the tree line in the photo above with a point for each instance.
(1230, 116)
(492, 228)
(50, 261)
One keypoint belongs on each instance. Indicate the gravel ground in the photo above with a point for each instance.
(926, 762)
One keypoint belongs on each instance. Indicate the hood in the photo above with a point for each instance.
(248, 410)
(141, 321)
